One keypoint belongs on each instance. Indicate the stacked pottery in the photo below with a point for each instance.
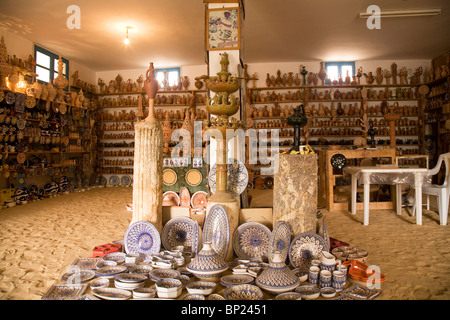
(207, 265)
(277, 277)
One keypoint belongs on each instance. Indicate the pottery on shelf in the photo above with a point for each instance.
(322, 73)
(207, 265)
(277, 277)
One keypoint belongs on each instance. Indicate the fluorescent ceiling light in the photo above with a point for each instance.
(402, 13)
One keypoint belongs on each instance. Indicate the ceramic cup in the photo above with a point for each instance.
(328, 267)
(339, 279)
(325, 279)
(314, 275)
(340, 267)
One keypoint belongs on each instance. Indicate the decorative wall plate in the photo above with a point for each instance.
(142, 237)
(185, 197)
(64, 292)
(280, 240)
(193, 177)
(304, 248)
(10, 97)
(125, 181)
(21, 157)
(198, 199)
(78, 276)
(180, 231)
(170, 198)
(112, 293)
(102, 180)
(251, 240)
(169, 177)
(216, 229)
(338, 161)
(114, 180)
(30, 102)
(21, 123)
(237, 177)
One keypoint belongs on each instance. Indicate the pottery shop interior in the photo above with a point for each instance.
(224, 150)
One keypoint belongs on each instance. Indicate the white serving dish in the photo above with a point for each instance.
(144, 292)
(99, 283)
(128, 285)
(201, 287)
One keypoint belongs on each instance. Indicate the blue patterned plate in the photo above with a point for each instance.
(280, 240)
(237, 177)
(78, 276)
(216, 230)
(304, 248)
(64, 291)
(251, 240)
(142, 237)
(180, 231)
(110, 272)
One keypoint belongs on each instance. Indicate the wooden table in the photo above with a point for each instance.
(387, 175)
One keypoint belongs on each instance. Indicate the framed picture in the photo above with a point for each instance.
(223, 30)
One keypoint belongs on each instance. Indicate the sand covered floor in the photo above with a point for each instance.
(39, 240)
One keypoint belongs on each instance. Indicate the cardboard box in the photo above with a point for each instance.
(261, 215)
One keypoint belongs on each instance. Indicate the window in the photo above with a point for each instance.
(173, 76)
(334, 69)
(47, 65)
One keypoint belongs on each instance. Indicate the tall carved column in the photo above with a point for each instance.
(148, 162)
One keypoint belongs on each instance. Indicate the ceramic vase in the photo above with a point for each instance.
(151, 88)
(277, 277)
(322, 73)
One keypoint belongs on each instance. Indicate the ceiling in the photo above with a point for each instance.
(172, 32)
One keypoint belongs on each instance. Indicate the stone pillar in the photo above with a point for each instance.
(295, 192)
(147, 180)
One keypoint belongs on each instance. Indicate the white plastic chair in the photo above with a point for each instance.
(441, 191)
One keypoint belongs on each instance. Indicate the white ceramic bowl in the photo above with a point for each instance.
(144, 293)
(169, 285)
(328, 292)
(169, 295)
(128, 285)
(201, 287)
(99, 283)
(308, 292)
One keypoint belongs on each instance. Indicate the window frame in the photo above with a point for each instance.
(51, 69)
(178, 69)
(340, 64)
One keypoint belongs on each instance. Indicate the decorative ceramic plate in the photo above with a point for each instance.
(185, 197)
(64, 291)
(198, 199)
(142, 237)
(110, 272)
(338, 161)
(78, 276)
(251, 240)
(169, 177)
(170, 198)
(216, 229)
(193, 177)
(102, 180)
(237, 177)
(180, 231)
(112, 293)
(304, 248)
(10, 97)
(30, 102)
(125, 181)
(280, 240)
(130, 277)
(114, 180)
(21, 123)
(21, 157)
(360, 292)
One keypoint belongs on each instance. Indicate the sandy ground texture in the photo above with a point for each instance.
(39, 240)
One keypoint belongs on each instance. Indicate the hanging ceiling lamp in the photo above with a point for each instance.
(126, 41)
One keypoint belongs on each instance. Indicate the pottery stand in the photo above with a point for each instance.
(295, 192)
(147, 180)
(232, 207)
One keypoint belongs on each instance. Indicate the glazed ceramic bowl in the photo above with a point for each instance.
(289, 296)
(201, 287)
(130, 277)
(99, 283)
(142, 268)
(168, 285)
(243, 292)
(157, 275)
(215, 296)
(128, 285)
(301, 273)
(308, 292)
(106, 263)
(235, 279)
(328, 292)
(144, 293)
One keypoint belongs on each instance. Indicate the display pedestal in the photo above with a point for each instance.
(232, 207)
(295, 192)
(148, 167)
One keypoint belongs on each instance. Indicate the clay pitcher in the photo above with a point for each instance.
(369, 77)
(379, 76)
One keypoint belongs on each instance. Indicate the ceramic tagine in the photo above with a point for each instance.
(277, 277)
(207, 265)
